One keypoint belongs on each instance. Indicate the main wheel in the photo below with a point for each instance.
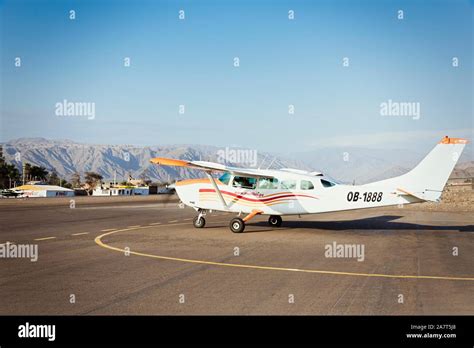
(275, 220)
(199, 222)
(237, 225)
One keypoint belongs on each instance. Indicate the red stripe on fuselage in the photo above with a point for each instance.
(258, 199)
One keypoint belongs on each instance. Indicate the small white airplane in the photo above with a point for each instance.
(297, 192)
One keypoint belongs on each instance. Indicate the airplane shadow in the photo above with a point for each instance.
(383, 222)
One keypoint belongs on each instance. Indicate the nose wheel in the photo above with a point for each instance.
(199, 222)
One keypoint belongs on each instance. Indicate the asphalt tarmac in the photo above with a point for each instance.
(141, 255)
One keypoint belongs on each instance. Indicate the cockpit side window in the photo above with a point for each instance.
(244, 182)
(225, 178)
(306, 185)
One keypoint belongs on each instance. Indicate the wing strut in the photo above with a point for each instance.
(217, 190)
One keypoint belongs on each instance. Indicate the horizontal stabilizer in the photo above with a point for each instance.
(424, 196)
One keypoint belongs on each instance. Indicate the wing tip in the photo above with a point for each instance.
(448, 140)
(169, 162)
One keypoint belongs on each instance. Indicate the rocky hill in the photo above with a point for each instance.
(346, 165)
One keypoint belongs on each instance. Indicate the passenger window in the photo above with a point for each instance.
(288, 184)
(267, 183)
(306, 185)
(244, 182)
(326, 183)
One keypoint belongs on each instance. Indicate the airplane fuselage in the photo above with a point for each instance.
(298, 199)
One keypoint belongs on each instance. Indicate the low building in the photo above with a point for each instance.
(141, 190)
(120, 190)
(40, 190)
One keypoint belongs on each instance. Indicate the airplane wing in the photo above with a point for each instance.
(209, 167)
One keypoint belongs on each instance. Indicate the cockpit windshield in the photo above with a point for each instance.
(225, 178)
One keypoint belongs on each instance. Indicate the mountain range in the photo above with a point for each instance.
(350, 164)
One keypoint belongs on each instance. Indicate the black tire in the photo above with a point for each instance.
(237, 225)
(199, 222)
(275, 220)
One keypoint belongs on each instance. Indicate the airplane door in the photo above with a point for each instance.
(244, 186)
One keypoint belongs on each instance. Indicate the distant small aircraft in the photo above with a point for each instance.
(9, 193)
(296, 192)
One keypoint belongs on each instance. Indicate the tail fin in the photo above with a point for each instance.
(427, 180)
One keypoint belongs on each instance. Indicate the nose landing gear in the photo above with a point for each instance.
(199, 221)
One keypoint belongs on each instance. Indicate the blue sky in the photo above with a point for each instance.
(282, 62)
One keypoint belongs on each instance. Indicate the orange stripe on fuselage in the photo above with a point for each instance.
(257, 198)
(246, 203)
(232, 198)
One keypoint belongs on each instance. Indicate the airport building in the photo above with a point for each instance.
(39, 190)
(132, 187)
(120, 190)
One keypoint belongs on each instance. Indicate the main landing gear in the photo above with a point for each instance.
(275, 220)
(237, 225)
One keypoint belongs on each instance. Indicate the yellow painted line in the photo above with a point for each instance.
(45, 238)
(108, 229)
(187, 219)
(155, 223)
(99, 242)
(79, 234)
(172, 221)
(134, 226)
